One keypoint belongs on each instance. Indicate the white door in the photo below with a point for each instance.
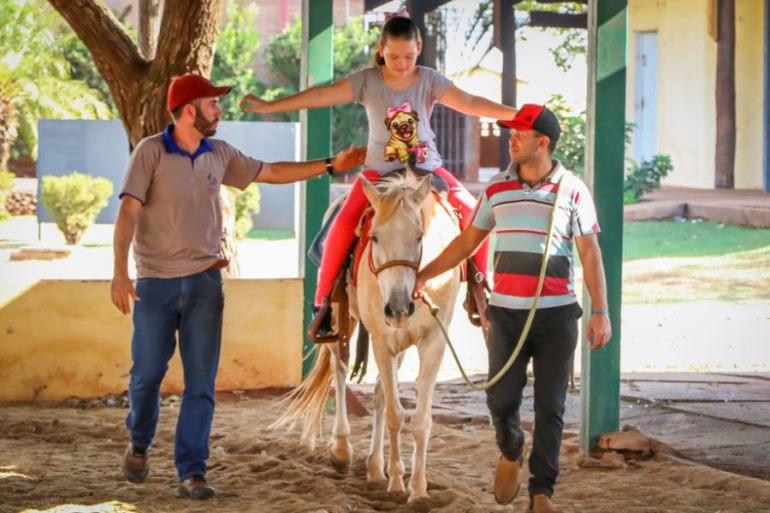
(645, 95)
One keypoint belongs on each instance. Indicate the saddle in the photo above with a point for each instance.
(476, 298)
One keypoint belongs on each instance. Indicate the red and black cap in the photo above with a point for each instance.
(190, 87)
(534, 117)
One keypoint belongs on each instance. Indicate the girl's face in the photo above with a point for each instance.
(400, 54)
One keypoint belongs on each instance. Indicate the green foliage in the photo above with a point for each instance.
(74, 201)
(82, 65)
(283, 54)
(351, 53)
(645, 177)
(35, 76)
(246, 205)
(574, 41)
(234, 59)
(6, 186)
(570, 150)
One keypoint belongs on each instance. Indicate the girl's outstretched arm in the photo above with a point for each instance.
(457, 99)
(315, 97)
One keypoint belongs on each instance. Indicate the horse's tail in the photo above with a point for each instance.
(307, 402)
(362, 354)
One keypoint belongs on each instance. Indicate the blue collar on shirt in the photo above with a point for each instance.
(173, 147)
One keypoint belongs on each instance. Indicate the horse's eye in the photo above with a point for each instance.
(374, 239)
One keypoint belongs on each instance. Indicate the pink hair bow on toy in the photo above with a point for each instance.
(405, 107)
(403, 13)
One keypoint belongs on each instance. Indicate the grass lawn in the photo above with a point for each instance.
(658, 239)
(270, 234)
(676, 262)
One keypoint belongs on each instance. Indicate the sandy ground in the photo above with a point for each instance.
(67, 460)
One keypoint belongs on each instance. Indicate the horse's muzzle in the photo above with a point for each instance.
(401, 311)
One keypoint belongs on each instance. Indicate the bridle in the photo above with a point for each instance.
(393, 263)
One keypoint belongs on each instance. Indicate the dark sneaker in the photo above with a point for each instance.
(196, 488)
(136, 464)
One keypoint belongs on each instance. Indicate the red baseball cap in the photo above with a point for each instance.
(190, 87)
(534, 117)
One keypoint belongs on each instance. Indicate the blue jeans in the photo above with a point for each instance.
(191, 306)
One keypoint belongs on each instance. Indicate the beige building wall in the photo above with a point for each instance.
(686, 103)
(63, 338)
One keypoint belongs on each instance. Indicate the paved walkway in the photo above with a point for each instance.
(745, 207)
(718, 419)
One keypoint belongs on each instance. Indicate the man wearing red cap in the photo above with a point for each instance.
(518, 205)
(171, 212)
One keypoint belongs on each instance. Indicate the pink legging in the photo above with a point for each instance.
(342, 231)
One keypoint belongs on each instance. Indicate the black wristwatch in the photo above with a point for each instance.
(329, 166)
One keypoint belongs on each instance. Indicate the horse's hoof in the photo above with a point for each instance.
(376, 477)
(396, 487)
(417, 496)
(341, 466)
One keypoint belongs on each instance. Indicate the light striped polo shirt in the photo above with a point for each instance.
(519, 216)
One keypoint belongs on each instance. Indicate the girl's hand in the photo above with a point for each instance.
(252, 103)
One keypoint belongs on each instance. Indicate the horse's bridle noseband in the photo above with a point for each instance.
(393, 263)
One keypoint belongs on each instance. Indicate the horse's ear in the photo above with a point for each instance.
(423, 189)
(371, 192)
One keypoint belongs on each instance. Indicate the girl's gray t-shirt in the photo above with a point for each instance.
(399, 121)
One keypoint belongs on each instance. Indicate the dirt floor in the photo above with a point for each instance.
(66, 459)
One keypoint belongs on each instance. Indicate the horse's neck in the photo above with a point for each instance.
(441, 226)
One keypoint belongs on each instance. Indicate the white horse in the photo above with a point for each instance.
(409, 225)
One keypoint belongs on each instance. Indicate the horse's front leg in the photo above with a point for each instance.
(375, 463)
(394, 413)
(340, 448)
(431, 352)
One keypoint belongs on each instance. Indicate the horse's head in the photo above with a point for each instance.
(396, 240)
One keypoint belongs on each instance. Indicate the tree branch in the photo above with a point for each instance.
(113, 50)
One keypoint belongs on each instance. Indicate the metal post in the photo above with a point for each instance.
(766, 135)
(317, 68)
(605, 152)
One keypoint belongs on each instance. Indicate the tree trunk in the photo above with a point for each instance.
(188, 34)
(186, 42)
(148, 14)
(725, 96)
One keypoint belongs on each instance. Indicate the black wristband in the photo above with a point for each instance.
(329, 166)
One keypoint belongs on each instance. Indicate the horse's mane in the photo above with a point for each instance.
(395, 189)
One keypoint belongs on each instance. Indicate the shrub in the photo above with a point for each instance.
(246, 205)
(6, 186)
(645, 177)
(74, 201)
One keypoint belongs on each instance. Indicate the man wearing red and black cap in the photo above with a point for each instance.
(170, 210)
(518, 205)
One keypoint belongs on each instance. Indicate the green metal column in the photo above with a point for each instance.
(317, 69)
(605, 152)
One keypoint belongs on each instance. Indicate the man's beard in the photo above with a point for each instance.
(203, 125)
